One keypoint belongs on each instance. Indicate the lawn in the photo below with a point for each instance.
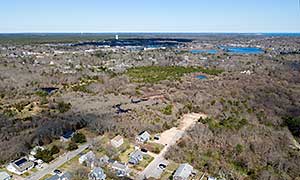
(144, 163)
(153, 147)
(154, 74)
(70, 165)
(169, 170)
(124, 156)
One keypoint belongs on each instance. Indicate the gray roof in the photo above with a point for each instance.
(184, 171)
(137, 154)
(54, 177)
(119, 166)
(65, 176)
(4, 175)
(98, 173)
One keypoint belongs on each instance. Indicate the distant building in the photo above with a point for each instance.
(67, 136)
(143, 137)
(20, 166)
(135, 157)
(121, 169)
(183, 172)
(65, 176)
(97, 174)
(117, 141)
(4, 176)
(89, 158)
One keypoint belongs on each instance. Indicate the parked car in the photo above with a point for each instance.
(162, 166)
(144, 150)
(56, 171)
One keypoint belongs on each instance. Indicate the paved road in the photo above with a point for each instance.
(57, 163)
(152, 170)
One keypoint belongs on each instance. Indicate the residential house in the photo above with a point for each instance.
(136, 157)
(104, 160)
(183, 172)
(143, 137)
(65, 176)
(20, 166)
(67, 136)
(89, 158)
(211, 178)
(4, 176)
(97, 174)
(121, 169)
(117, 141)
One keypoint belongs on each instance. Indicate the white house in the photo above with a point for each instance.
(117, 141)
(90, 157)
(183, 172)
(20, 166)
(97, 174)
(143, 137)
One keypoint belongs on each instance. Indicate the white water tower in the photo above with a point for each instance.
(117, 37)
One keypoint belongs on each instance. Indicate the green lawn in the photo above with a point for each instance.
(124, 157)
(169, 170)
(154, 74)
(144, 163)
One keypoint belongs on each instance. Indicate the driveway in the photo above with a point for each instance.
(169, 138)
(57, 163)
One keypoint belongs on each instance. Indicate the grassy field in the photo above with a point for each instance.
(154, 74)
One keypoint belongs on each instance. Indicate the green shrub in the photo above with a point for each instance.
(63, 107)
(54, 150)
(168, 110)
(79, 138)
(72, 146)
(293, 124)
(41, 93)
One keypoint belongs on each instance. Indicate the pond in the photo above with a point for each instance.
(202, 51)
(201, 77)
(242, 50)
(48, 89)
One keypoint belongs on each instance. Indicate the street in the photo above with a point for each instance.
(57, 163)
(169, 138)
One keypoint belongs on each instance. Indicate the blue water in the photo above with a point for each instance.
(201, 77)
(243, 50)
(200, 51)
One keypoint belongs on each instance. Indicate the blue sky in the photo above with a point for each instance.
(149, 16)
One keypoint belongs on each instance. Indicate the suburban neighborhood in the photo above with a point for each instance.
(109, 157)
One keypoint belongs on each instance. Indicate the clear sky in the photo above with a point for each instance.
(149, 16)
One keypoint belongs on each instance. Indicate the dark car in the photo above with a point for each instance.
(56, 171)
(162, 166)
(144, 150)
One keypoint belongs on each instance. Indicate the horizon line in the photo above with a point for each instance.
(149, 32)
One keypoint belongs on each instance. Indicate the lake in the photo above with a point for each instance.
(243, 50)
(201, 51)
